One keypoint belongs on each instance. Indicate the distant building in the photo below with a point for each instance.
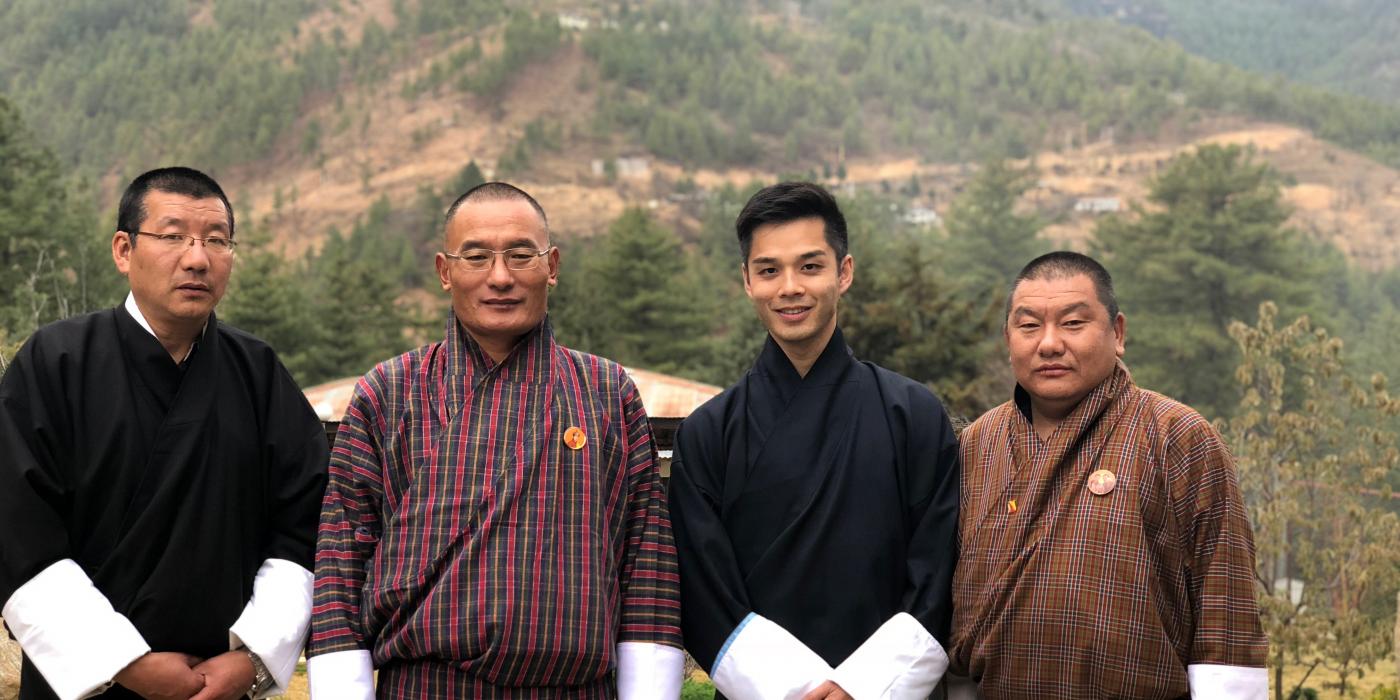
(1098, 205)
(573, 22)
(919, 215)
(634, 167)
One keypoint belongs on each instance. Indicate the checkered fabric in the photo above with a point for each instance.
(1063, 593)
(473, 550)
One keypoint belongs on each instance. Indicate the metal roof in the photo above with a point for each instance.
(663, 396)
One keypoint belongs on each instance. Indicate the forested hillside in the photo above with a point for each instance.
(1332, 43)
(388, 108)
(1252, 222)
(115, 84)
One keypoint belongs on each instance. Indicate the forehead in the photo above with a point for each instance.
(789, 238)
(496, 222)
(163, 208)
(1052, 293)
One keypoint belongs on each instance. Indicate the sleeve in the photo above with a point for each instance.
(747, 655)
(349, 536)
(63, 623)
(906, 656)
(296, 457)
(650, 661)
(1228, 652)
(274, 623)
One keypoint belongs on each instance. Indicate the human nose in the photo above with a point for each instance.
(1051, 342)
(196, 255)
(791, 285)
(499, 276)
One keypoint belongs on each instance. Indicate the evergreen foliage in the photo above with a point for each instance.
(54, 260)
(988, 240)
(1208, 250)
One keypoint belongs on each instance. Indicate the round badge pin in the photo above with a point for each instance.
(575, 439)
(1102, 482)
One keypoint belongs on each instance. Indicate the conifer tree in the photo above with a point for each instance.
(1209, 247)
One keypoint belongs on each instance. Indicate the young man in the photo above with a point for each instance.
(815, 502)
(495, 524)
(160, 475)
(1105, 549)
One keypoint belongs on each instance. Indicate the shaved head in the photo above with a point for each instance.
(494, 192)
(1064, 264)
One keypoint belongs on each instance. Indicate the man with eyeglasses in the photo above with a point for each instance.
(160, 475)
(495, 524)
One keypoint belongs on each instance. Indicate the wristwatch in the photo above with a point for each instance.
(262, 679)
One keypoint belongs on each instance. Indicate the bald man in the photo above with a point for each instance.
(495, 523)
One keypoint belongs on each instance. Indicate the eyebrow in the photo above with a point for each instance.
(516, 243)
(171, 220)
(1072, 308)
(766, 260)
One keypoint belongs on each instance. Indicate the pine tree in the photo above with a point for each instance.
(53, 259)
(1208, 250)
(988, 241)
(644, 303)
(268, 298)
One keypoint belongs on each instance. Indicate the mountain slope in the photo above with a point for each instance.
(1345, 44)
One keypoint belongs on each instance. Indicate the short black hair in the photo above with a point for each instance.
(174, 180)
(790, 201)
(1060, 265)
(495, 192)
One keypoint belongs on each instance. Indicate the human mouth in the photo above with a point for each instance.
(500, 303)
(1052, 371)
(793, 313)
(193, 288)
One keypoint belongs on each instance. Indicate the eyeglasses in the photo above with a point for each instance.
(215, 245)
(481, 259)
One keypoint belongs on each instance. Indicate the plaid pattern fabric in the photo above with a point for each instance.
(473, 551)
(1063, 593)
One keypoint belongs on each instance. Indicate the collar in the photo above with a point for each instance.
(135, 311)
(529, 361)
(830, 366)
(1091, 405)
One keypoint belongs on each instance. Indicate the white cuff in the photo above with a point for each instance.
(1227, 682)
(274, 623)
(763, 661)
(646, 671)
(341, 675)
(900, 660)
(70, 631)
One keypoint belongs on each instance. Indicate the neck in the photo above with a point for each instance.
(176, 336)
(1045, 421)
(498, 349)
(804, 355)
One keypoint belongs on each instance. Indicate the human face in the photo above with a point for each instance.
(176, 287)
(499, 305)
(1062, 342)
(794, 280)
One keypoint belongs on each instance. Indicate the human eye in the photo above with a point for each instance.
(219, 243)
(476, 256)
(812, 267)
(521, 254)
(170, 237)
